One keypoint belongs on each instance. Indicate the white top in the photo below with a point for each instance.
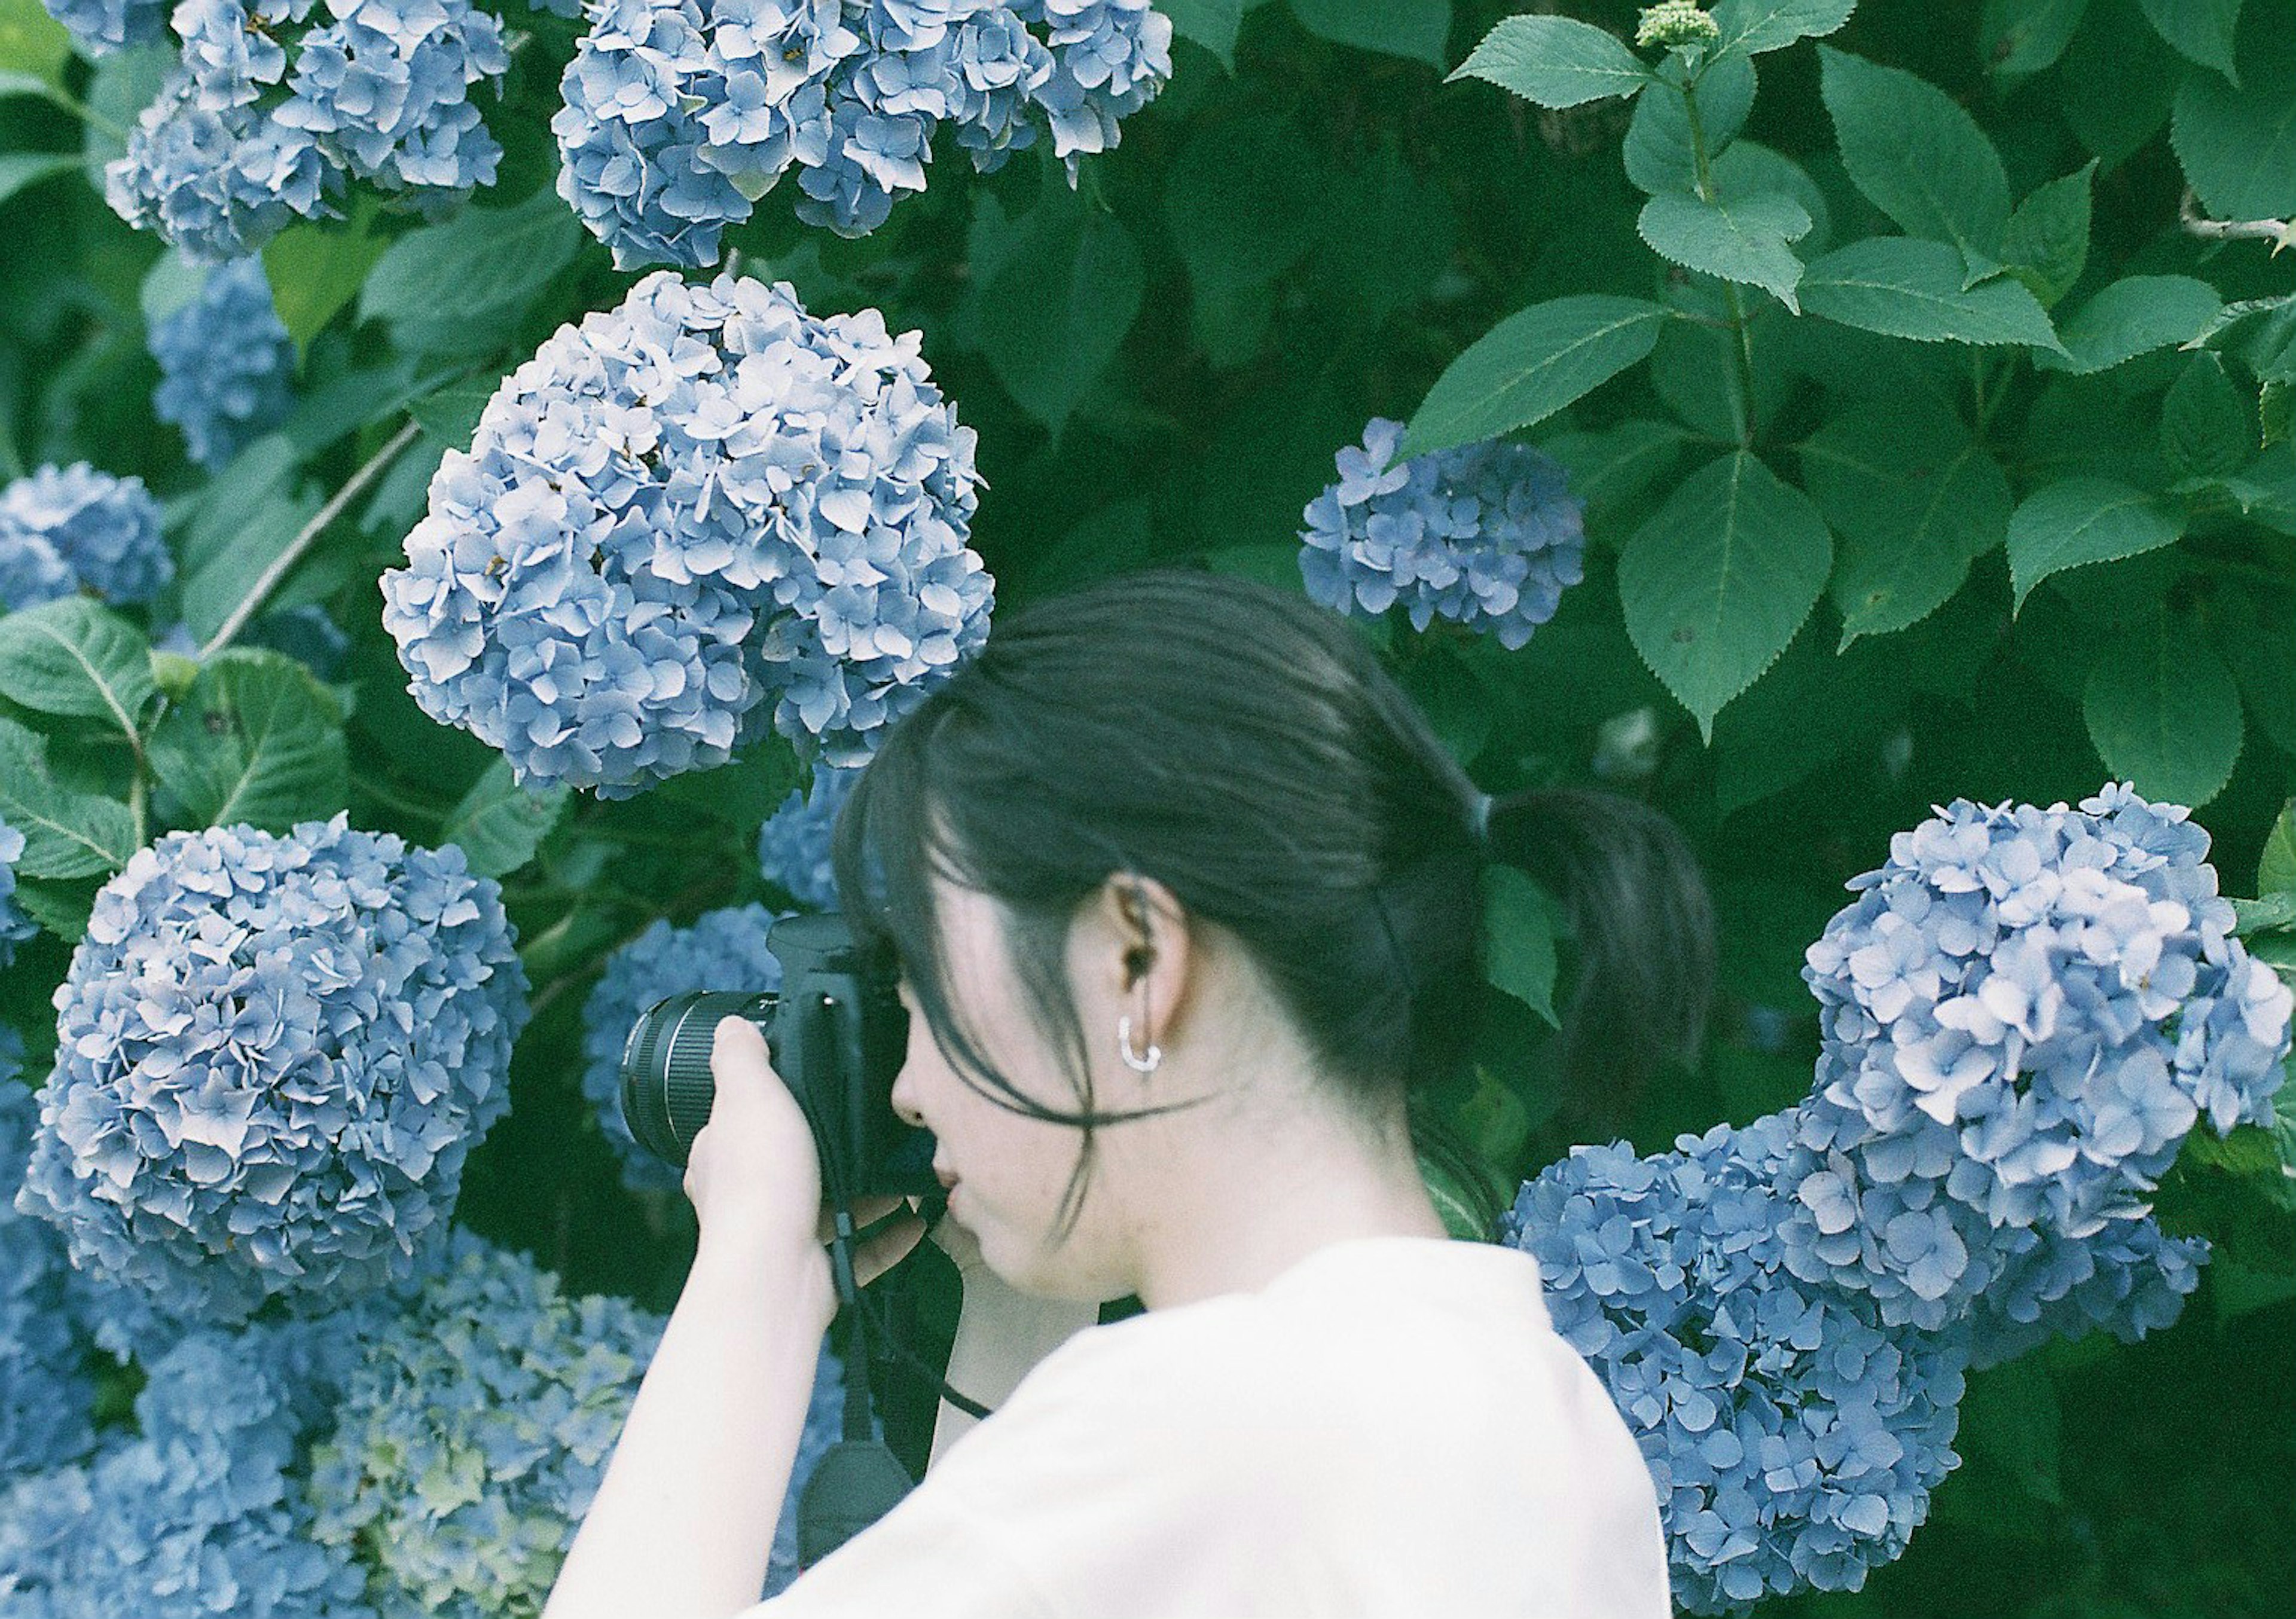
(1391, 1430)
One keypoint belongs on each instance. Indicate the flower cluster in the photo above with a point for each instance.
(69, 528)
(266, 118)
(101, 26)
(45, 1395)
(15, 927)
(197, 1515)
(793, 846)
(680, 114)
(2023, 1015)
(274, 1053)
(723, 950)
(225, 363)
(2129, 1278)
(695, 502)
(1485, 534)
(1792, 1437)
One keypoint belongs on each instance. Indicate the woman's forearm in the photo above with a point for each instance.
(682, 1522)
(1001, 1333)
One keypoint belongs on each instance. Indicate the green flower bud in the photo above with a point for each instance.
(173, 674)
(1673, 23)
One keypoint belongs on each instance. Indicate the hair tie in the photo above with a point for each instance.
(1480, 819)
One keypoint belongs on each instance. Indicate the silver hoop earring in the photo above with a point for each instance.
(1139, 1065)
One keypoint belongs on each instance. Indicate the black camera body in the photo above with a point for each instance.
(837, 1033)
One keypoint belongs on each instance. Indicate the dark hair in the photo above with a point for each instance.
(1242, 746)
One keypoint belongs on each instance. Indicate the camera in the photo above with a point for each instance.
(837, 1034)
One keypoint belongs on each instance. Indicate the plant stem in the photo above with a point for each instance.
(309, 533)
(1743, 350)
(136, 793)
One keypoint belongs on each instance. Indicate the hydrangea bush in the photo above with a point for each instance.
(794, 843)
(721, 950)
(226, 364)
(101, 26)
(276, 1053)
(680, 114)
(699, 511)
(46, 1395)
(71, 528)
(15, 927)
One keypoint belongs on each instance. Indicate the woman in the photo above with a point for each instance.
(1186, 896)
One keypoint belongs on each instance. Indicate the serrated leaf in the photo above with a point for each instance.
(1246, 200)
(1907, 287)
(1715, 585)
(259, 740)
(1749, 26)
(2198, 31)
(1912, 499)
(1521, 923)
(61, 907)
(450, 414)
(1554, 61)
(2204, 423)
(2164, 713)
(2238, 143)
(67, 833)
(2116, 81)
(2080, 520)
(2276, 413)
(1615, 464)
(498, 825)
(1658, 150)
(70, 657)
(2020, 37)
(2133, 315)
(1742, 241)
(315, 270)
(2047, 240)
(1414, 28)
(1056, 310)
(458, 286)
(1748, 168)
(1531, 364)
(1210, 23)
(2275, 868)
(1915, 154)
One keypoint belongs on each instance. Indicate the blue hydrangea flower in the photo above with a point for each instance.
(198, 1514)
(794, 844)
(2129, 1279)
(680, 114)
(225, 361)
(45, 1395)
(2023, 1015)
(274, 1053)
(15, 927)
(1484, 535)
(68, 529)
(271, 112)
(723, 950)
(696, 513)
(1794, 1438)
(101, 26)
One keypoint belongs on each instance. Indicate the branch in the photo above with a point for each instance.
(2279, 233)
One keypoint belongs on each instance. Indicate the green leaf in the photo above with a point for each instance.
(1915, 154)
(20, 169)
(62, 908)
(1658, 150)
(1744, 241)
(1609, 468)
(230, 545)
(2204, 422)
(2133, 315)
(1245, 202)
(1749, 168)
(2275, 412)
(257, 741)
(1531, 364)
(66, 833)
(2238, 143)
(2116, 81)
(1555, 61)
(2046, 241)
(171, 282)
(1521, 923)
(33, 42)
(1417, 28)
(2163, 712)
(1210, 23)
(1056, 310)
(450, 414)
(315, 269)
(499, 824)
(1749, 26)
(123, 85)
(1912, 499)
(2198, 30)
(1906, 287)
(2081, 520)
(2020, 37)
(459, 288)
(72, 657)
(2276, 868)
(1715, 585)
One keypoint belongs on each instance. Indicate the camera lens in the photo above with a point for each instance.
(667, 1085)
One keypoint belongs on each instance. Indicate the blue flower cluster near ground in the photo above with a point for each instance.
(45, 1395)
(1485, 534)
(697, 512)
(275, 1052)
(101, 26)
(793, 844)
(70, 528)
(225, 363)
(15, 927)
(268, 115)
(722, 950)
(680, 114)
